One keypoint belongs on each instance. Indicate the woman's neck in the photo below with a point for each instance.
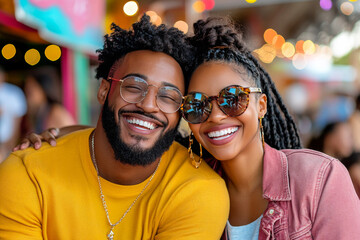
(244, 173)
(244, 182)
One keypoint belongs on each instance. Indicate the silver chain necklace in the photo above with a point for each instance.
(110, 235)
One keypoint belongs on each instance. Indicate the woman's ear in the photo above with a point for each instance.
(262, 106)
(103, 91)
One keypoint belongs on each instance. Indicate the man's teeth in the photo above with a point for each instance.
(142, 123)
(223, 132)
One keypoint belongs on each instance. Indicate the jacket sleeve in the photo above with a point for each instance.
(197, 210)
(20, 214)
(336, 206)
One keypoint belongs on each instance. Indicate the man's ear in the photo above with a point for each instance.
(262, 106)
(103, 91)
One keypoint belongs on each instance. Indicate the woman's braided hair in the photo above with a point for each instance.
(144, 36)
(216, 39)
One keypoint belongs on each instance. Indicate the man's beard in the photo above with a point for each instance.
(133, 154)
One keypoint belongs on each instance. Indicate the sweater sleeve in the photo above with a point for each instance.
(20, 211)
(198, 210)
(338, 207)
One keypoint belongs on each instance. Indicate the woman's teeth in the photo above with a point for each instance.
(222, 133)
(141, 123)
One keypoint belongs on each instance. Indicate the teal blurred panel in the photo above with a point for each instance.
(81, 73)
(74, 24)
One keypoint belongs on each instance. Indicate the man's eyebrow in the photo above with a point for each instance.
(135, 75)
(170, 85)
(146, 78)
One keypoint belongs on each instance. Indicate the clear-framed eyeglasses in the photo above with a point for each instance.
(134, 89)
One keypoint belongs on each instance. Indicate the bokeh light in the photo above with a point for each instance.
(278, 41)
(299, 61)
(250, 1)
(342, 44)
(154, 18)
(288, 49)
(326, 4)
(199, 6)
(347, 8)
(53, 52)
(269, 35)
(182, 26)
(266, 53)
(209, 4)
(309, 47)
(299, 46)
(130, 8)
(32, 57)
(8, 51)
(352, 0)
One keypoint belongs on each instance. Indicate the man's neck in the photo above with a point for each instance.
(113, 170)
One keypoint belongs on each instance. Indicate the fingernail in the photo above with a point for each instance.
(22, 146)
(37, 145)
(52, 143)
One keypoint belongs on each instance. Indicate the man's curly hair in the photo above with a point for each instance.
(144, 36)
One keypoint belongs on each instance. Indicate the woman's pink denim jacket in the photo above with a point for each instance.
(310, 195)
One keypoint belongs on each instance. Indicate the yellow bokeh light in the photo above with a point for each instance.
(309, 47)
(288, 49)
(299, 61)
(158, 21)
(32, 57)
(8, 51)
(250, 1)
(154, 18)
(53, 52)
(269, 35)
(130, 8)
(266, 53)
(198, 6)
(352, 0)
(347, 8)
(182, 26)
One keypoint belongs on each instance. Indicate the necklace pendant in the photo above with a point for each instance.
(110, 236)
(195, 163)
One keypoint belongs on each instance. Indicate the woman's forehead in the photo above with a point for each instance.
(215, 76)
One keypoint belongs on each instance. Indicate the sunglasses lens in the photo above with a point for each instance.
(233, 100)
(196, 108)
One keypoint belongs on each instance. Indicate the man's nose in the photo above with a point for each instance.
(148, 104)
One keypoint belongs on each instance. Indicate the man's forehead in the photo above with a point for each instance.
(154, 67)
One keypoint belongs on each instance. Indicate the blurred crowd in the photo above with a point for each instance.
(341, 140)
(33, 106)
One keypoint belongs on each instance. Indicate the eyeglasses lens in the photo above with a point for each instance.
(169, 99)
(134, 90)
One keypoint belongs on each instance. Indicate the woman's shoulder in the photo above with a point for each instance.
(310, 156)
(312, 167)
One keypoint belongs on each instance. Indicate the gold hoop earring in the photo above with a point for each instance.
(262, 132)
(194, 162)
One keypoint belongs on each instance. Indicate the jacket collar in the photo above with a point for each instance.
(276, 186)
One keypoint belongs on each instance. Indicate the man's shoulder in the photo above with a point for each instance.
(67, 148)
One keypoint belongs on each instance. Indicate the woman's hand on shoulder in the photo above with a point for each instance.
(35, 140)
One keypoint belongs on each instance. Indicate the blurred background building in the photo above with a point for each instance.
(311, 48)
